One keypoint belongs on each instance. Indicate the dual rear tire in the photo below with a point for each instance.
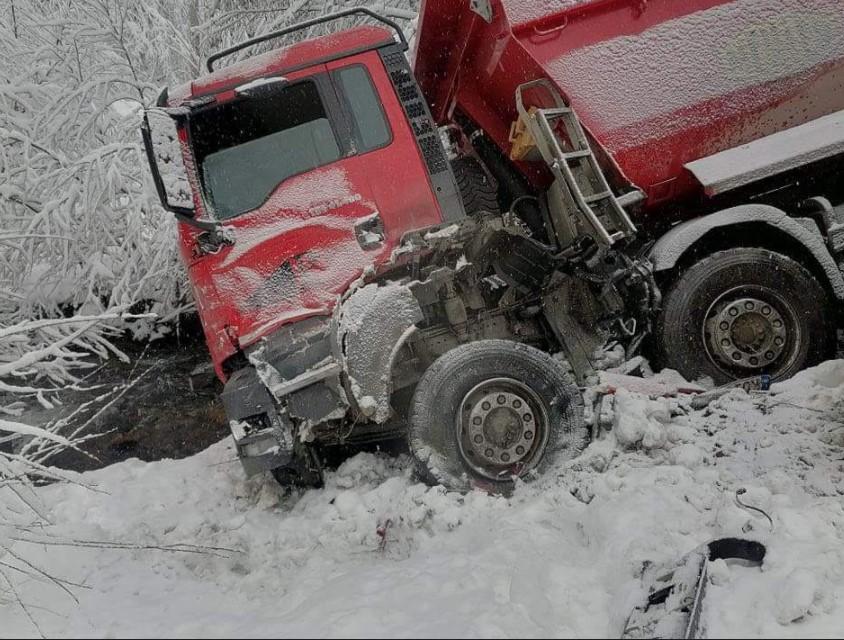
(744, 312)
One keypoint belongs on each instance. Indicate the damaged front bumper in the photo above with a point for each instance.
(310, 377)
(292, 385)
(262, 440)
(259, 449)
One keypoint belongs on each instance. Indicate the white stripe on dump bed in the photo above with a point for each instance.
(773, 154)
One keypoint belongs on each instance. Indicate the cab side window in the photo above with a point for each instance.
(247, 147)
(369, 128)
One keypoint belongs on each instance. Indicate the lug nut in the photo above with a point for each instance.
(736, 356)
(725, 342)
(517, 403)
(754, 361)
(489, 453)
(501, 399)
(478, 439)
(476, 420)
(777, 323)
(520, 450)
(766, 310)
(528, 435)
(485, 406)
(749, 305)
(733, 311)
(505, 457)
(769, 355)
(725, 325)
(778, 341)
(527, 417)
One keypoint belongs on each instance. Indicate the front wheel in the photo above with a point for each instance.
(744, 312)
(491, 411)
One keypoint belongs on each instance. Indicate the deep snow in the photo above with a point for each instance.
(558, 558)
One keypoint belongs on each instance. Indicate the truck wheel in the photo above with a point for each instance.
(477, 190)
(487, 412)
(744, 312)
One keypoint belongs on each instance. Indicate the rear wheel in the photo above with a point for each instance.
(488, 412)
(744, 312)
(478, 192)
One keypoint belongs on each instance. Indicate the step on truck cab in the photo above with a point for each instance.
(381, 250)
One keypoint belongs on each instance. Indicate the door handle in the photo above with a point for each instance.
(369, 231)
(211, 242)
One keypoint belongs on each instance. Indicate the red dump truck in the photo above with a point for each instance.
(386, 243)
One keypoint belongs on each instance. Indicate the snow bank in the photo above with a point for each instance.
(561, 557)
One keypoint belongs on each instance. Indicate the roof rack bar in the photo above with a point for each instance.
(304, 25)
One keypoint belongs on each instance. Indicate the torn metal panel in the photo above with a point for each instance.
(263, 438)
(245, 395)
(318, 403)
(298, 368)
(293, 349)
(673, 602)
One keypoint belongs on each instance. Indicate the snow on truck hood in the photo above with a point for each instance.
(559, 558)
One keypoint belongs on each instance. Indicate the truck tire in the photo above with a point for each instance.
(477, 190)
(493, 410)
(744, 312)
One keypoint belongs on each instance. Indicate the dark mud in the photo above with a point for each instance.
(171, 411)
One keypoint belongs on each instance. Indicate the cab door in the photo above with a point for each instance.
(386, 154)
(277, 169)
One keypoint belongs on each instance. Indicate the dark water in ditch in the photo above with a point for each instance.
(172, 410)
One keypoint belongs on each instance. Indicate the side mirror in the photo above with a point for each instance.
(166, 160)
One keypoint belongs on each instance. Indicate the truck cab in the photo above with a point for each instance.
(288, 151)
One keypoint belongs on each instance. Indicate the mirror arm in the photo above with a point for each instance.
(182, 214)
(204, 225)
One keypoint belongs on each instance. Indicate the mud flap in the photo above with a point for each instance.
(675, 593)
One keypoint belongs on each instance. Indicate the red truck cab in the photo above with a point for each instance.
(290, 149)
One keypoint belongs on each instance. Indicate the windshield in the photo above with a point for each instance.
(245, 148)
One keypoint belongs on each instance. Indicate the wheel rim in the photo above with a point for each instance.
(502, 428)
(751, 329)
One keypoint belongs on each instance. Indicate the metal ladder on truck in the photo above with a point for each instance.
(583, 191)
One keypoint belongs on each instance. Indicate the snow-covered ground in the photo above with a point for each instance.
(558, 558)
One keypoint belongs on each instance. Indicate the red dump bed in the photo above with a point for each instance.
(658, 83)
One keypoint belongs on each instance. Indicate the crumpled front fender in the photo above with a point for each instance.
(372, 324)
